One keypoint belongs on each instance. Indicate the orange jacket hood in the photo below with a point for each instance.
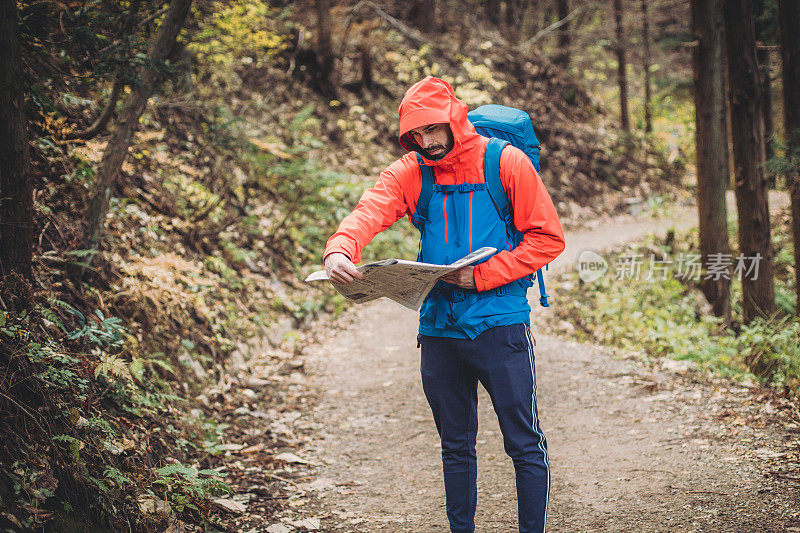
(432, 101)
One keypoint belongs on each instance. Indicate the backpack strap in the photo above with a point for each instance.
(420, 216)
(543, 296)
(491, 171)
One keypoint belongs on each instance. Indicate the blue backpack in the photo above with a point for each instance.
(506, 125)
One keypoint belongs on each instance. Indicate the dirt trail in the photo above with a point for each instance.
(631, 448)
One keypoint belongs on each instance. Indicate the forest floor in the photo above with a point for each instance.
(634, 445)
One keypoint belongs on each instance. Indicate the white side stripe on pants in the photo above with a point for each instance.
(536, 423)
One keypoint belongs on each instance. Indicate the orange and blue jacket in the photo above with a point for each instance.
(395, 194)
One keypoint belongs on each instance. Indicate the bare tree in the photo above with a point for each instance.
(622, 76)
(712, 146)
(16, 193)
(648, 109)
(748, 157)
(563, 33)
(325, 54)
(128, 122)
(788, 14)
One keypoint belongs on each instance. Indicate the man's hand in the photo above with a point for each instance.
(464, 277)
(340, 269)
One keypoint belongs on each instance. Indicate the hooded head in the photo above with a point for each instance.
(432, 101)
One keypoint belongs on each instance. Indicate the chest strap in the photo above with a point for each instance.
(462, 187)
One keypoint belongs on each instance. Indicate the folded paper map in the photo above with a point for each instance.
(405, 282)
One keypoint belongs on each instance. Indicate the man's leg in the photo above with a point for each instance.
(503, 358)
(450, 386)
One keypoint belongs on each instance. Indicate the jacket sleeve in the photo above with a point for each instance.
(534, 215)
(393, 196)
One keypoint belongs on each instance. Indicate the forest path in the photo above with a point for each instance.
(631, 448)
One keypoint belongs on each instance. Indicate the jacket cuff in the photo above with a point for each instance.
(480, 282)
(342, 248)
(324, 257)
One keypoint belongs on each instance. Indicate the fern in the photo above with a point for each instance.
(50, 316)
(75, 445)
(55, 302)
(81, 253)
(113, 365)
(116, 476)
(137, 369)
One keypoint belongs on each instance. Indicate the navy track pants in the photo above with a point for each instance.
(501, 358)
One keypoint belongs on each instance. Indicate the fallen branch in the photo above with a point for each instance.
(279, 478)
(102, 121)
(31, 415)
(690, 491)
(650, 470)
(551, 28)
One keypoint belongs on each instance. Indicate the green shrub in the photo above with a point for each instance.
(771, 348)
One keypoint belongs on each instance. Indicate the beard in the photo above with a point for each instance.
(445, 149)
(432, 154)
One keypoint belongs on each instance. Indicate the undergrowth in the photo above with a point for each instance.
(666, 315)
(87, 424)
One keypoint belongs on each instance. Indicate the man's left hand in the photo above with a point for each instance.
(464, 277)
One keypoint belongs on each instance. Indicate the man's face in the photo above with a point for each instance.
(435, 140)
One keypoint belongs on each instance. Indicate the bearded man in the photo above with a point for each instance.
(474, 326)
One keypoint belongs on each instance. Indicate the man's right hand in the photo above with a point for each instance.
(340, 269)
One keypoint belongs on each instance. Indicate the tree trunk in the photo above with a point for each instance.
(425, 15)
(128, 123)
(325, 49)
(515, 18)
(563, 34)
(16, 192)
(766, 103)
(712, 146)
(622, 75)
(102, 121)
(648, 110)
(491, 9)
(788, 15)
(762, 34)
(747, 135)
(367, 81)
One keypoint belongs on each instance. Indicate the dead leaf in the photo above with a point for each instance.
(229, 506)
(279, 528)
(270, 147)
(289, 457)
(312, 524)
(151, 505)
(11, 518)
(253, 449)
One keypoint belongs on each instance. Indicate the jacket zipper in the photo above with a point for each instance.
(470, 221)
(444, 208)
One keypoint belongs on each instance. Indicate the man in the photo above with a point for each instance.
(474, 324)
